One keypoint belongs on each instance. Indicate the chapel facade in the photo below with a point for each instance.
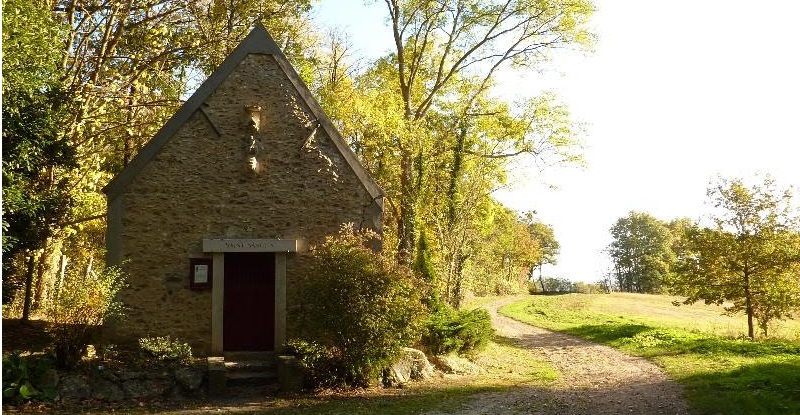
(212, 220)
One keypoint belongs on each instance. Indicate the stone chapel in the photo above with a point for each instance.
(211, 220)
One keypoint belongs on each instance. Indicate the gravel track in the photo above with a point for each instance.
(594, 379)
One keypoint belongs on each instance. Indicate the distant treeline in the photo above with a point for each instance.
(745, 252)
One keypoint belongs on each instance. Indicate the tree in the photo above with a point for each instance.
(464, 162)
(501, 262)
(641, 253)
(749, 257)
(426, 123)
(447, 54)
(548, 246)
(35, 153)
(557, 285)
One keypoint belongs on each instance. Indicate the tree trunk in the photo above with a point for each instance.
(26, 308)
(405, 221)
(88, 268)
(455, 175)
(541, 280)
(46, 273)
(458, 294)
(748, 306)
(41, 275)
(60, 279)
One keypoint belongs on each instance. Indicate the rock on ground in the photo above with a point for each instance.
(412, 364)
(456, 365)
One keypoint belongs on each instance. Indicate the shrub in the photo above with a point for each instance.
(320, 365)
(18, 378)
(360, 308)
(506, 287)
(533, 287)
(464, 332)
(81, 306)
(166, 350)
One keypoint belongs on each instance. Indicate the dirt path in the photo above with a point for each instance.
(594, 379)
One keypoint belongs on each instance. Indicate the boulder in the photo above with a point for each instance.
(454, 364)
(106, 390)
(48, 379)
(126, 375)
(411, 364)
(146, 388)
(189, 378)
(74, 388)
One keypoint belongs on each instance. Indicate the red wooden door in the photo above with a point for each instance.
(248, 312)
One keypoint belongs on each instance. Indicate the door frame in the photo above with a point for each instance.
(218, 247)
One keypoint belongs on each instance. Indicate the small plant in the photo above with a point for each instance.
(82, 305)
(19, 373)
(464, 332)
(317, 361)
(166, 350)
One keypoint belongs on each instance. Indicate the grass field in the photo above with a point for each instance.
(722, 372)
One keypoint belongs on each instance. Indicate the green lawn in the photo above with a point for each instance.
(723, 373)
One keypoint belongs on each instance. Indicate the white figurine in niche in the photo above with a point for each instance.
(253, 152)
(255, 146)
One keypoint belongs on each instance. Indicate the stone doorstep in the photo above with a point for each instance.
(250, 372)
(250, 366)
(251, 378)
(217, 378)
(237, 369)
(248, 356)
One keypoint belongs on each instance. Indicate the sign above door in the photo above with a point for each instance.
(253, 245)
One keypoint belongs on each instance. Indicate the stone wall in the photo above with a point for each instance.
(121, 385)
(200, 185)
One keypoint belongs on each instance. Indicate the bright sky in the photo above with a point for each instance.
(674, 94)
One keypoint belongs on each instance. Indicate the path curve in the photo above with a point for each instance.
(595, 379)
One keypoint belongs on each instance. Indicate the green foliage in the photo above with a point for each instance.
(464, 332)
(588, 288)
(425, 121)
(750, 257)
(359, 306)
(720, 374)
(35, 153)
(506, 249)
(19, 376)
(80, 307)
(323, 368)
(166, 350)
(422, 263)
(31, 51)
(85, 86)
(641, 253)
(551, 285)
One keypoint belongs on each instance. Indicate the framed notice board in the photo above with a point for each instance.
(200, 273)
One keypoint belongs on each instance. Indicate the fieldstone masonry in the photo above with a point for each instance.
(195, 180)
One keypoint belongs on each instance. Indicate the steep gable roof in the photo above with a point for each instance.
(257, 42)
